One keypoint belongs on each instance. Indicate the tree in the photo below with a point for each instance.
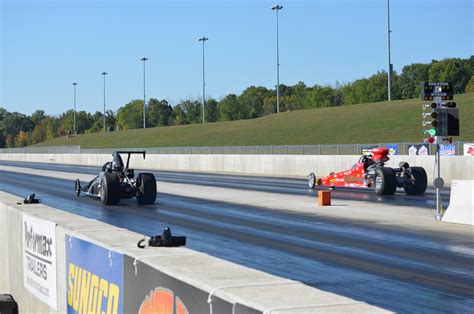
(252, 102)
(451, 70)
(470, 86)
(22, 139)
(39, 133)
(130, 116)
(37, 116)
(212, 110)
(229, 108)
(410, 80)
(160, 113)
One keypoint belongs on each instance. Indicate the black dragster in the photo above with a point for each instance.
(116, 181)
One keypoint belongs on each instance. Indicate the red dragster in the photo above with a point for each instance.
(370, 172)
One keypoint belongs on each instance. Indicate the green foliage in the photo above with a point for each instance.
(212, 110)
(159, 113)
(229, 108)
(130, 116)
(470, 85)
(397, 121)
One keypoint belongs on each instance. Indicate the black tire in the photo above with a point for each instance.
(311, 180)
(77, 187)
(420, 181)
(385, 182)
(146, 189)
(110, 189)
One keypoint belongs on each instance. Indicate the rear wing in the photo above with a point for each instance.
(129, 152)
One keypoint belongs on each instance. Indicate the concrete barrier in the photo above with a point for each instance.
(194, 282)
(461, 205)
(453, 167)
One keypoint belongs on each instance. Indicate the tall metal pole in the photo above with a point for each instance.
(144, 95)
(203, 39)
(277, 8)
(74, 125)
(389, 61)
(104, 74)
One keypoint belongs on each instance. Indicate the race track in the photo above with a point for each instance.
(399, 268)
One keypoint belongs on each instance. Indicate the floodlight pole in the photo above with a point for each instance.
(389, 60)
(277, 8)
(74, 113)
(203, 39)
(144, 95)
(104, 74)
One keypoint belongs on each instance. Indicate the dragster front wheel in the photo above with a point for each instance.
(312, 180)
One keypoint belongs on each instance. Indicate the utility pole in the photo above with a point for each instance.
(390, 66)
(203, 39)
(74, 126)
(104, 74)
(277, 8)
(144, 95)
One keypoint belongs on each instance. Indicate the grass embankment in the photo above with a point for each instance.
(383, 122)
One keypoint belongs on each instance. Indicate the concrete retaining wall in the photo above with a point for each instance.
(242, 289)
(453, 167)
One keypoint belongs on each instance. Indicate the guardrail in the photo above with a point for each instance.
(336, 149)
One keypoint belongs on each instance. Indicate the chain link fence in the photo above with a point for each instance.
(337, 149)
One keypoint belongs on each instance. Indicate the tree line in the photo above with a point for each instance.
(18, 130)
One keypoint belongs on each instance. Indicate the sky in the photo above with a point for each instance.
(46, 45)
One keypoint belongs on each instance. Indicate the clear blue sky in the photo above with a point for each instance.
(47, 45)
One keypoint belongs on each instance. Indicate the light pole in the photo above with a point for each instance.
(144, 95)
(104, 74)
(278, 8)
(203, 39)
(74, 126)
(390, 66)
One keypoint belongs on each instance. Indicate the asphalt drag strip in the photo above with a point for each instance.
(400, 270)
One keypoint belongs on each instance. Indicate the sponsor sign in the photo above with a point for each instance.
(152, 291)
(468, 149)
(392, 149)
(39, 258)
(418, 149)
(447, 149)
(94, 285)
(365, 149)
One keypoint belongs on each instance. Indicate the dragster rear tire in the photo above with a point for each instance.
(385, 181)
(420, 181)
(110, 189)
(146, 189)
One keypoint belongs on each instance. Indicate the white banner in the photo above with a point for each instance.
(39, 259)
(468, 149)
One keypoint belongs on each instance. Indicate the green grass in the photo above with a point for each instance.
(383, 122)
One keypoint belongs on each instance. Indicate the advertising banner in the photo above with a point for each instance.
(151, 291)
(418, 149)
(392, 149)
(468, 149)
(365, 149)
(94, 285)
(447, 149)
(39, 258)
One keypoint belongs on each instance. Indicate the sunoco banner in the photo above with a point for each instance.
(94, 283)
(39, 258)
(152, 291)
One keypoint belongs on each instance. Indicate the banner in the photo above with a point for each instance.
(151, 291)
(418, 149)
(94, 282)
(365, 149)
(392, 149)
(447, 149)
(39, 259)
(468, 149)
